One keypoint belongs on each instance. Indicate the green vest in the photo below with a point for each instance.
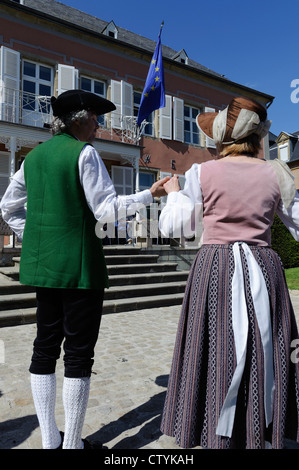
(60, 247)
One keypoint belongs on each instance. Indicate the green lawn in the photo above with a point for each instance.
(292, 276)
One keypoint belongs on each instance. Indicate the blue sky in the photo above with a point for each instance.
(253, 43)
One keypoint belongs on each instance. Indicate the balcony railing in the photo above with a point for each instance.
(20, 107)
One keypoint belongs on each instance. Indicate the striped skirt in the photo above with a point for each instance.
(204, 358)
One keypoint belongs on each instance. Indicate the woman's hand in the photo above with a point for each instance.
(172, 185)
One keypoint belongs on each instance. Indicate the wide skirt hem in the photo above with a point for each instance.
(204, 358)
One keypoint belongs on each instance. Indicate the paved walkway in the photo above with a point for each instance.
(128, 387)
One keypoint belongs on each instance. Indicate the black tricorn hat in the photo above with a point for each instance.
(76, 100)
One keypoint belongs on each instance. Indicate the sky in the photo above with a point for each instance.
(253, 43)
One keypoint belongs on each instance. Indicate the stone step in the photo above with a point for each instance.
(162, 288)
(10, 271)
(10, 287)
(121, 250)
(13, 288)
(17, 301)
(141, 268)
(137, 281)
(130, 259)
(124, 255)
(147, 278)
(114, 250)
(140, 303)
(116, 269)
(27, 315)
(28, 299)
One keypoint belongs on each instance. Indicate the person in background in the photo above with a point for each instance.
(66, 188)
(233, 383)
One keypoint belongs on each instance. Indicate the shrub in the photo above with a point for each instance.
(284, 244)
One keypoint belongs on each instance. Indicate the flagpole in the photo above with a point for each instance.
(153, 96)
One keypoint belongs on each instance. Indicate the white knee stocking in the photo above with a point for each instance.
(44, 396)
(75, 396)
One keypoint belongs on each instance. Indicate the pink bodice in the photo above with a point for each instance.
(239, 202)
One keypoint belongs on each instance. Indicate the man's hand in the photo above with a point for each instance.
(157, 189)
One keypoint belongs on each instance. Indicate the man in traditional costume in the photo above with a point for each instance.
(66, 188)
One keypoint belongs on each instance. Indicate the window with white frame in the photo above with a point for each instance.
(97, 87)
(146, 180)
(191, 131)
(122, 178)
(149, 128)
(37, 86)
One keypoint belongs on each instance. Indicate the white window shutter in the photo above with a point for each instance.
(127, 99)
(178, 119)
(66, 78)
(210, 142)
(166, 119)
(122, 97)
(116, 99)
(9, 84)
(284, 152)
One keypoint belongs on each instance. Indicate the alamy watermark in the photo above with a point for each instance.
(295, 92)
(295, 353)
(140, 221)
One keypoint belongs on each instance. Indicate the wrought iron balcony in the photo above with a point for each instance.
(26, 108)
(20, 107)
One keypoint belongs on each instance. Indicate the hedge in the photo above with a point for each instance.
(284, 244)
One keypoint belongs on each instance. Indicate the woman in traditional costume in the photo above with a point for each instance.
(233, 383)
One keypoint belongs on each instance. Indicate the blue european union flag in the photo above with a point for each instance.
(153, 96)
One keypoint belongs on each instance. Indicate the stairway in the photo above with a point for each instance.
(137, 281)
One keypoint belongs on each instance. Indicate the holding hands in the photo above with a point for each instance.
(165, 186)
(157, 188)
